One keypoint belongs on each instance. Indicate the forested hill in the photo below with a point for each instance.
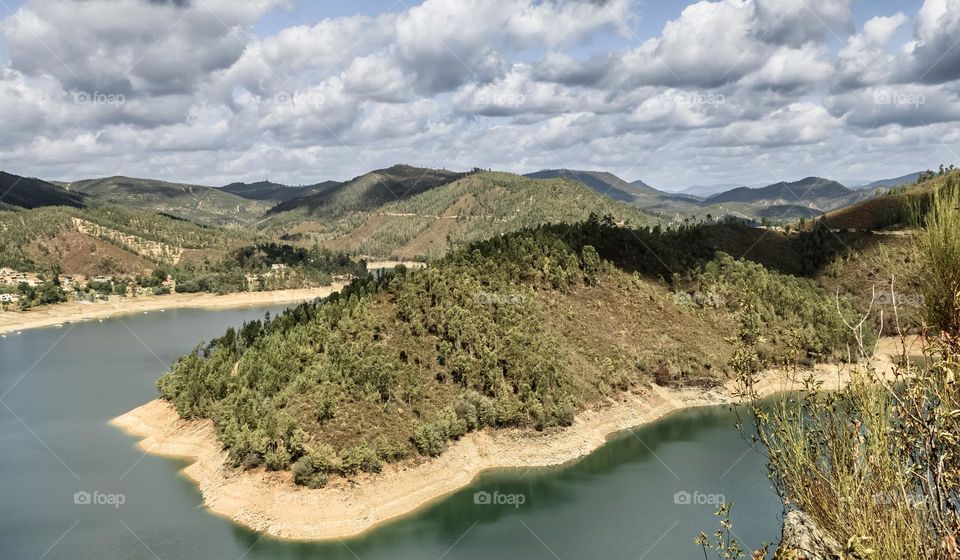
(472, 207)
(521, 330)
(274, 192)
(23, 192)
(199, 204)
(368, 191)
(603, 182)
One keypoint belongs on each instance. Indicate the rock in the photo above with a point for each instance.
(803, 540)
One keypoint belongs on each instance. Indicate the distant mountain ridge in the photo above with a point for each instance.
(909, 178)
(779, 202)
(276, 192)
(201, 204)
(784, 192)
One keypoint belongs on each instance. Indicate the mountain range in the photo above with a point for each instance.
(409, 212)
(204, 205)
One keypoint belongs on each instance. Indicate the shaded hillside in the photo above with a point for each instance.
(475, 207)
(812, 190)
(522, 330)
(204, 205)
(275, 192)
(366, 192)
(891, 208)
(25, 192)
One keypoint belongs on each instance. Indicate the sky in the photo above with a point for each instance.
(674, 93)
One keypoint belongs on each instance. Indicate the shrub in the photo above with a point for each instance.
(429, 440)
(937, 245)
(313, 468)
(361, 457)
(277, 459)
(388, 451)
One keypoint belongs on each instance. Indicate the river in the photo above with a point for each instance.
(74, 487)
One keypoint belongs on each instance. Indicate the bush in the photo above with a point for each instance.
(313, 469)
(361, 457)
(429, 440)
(277, 459)
(937, 246)
(388, 451)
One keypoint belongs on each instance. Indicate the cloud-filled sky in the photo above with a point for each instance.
(676, 93)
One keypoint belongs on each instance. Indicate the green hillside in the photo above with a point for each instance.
(367, 192)
(472, 207)
(601, 181)
(203, 205)
(522, 330)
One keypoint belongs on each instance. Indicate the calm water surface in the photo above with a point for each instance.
(60, 388)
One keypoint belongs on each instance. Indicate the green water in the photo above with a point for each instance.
(60, 388)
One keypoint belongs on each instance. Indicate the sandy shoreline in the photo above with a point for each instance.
(75, 312)
(270, 503)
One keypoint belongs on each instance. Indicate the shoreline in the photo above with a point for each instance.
(270, 503)
(78, 312)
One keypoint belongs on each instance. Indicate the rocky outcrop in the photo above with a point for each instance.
(803, 540)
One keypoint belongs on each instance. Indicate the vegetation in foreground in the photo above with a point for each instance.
(522, 330)
(876, 466)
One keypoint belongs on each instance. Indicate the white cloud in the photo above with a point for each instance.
(755, 87)
(129, 46)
